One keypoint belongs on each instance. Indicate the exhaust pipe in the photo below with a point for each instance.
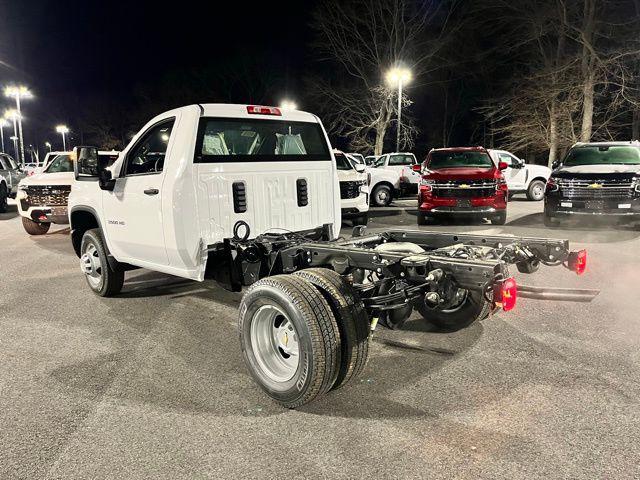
(557, 294)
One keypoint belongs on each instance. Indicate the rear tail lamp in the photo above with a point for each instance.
(260, 110)
(505, 294)
(416, 168)
(578, 261)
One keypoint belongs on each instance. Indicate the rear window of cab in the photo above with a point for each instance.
(251, 140)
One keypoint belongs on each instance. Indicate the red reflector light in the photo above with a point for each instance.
(259, 110)
(505, 294)
(578, 261)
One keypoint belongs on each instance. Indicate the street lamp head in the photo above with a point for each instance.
(11, 114)
(13, 137)
(398, 75)
(17, 91)
(62, 129)
(288, 105)
(47, 144)
(3, 123)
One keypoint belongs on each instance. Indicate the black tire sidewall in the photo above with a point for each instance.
(475, 308)
(94, 237)
(300, 382)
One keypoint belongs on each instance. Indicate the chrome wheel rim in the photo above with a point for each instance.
(382, 196)
(275, 343)
(91, 265)
(537, 192)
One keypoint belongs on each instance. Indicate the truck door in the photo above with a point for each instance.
(516, 174)
(133, 210)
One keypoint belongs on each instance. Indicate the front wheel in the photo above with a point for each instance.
(381, 196)
(101, 277)
(535, 192)
(470, 306)
(35, 228)
(360, 220)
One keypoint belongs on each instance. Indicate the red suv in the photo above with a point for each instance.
(462, 181)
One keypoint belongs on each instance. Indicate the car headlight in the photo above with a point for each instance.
(552, 185)
(636, 184)
(22, 188)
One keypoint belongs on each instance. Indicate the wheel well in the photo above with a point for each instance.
(384, 182)
(542, 179)
(81, 221)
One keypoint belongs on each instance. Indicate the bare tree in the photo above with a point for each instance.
(360, 39)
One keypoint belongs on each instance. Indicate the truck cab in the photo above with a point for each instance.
(402, 163)
(522, 177)
(462, 182)
(194, 175)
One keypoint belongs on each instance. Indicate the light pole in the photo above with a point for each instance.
(19, 92)
(14, 138)
(63, 130)
(13, 115)
(398, 76)
(3, 123)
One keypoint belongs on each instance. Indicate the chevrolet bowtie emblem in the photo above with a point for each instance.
(595, 185)
(464, 185)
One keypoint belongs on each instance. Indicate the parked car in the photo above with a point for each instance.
(249, 195)
(462, 181)
(42, 198)
(522, 177)
(354, 188)
(402, 163)
(12, 173)
(595, 180)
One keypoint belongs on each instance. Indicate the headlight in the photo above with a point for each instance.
(22, 188)
(426, 181)
(552, 185)
(636, 183)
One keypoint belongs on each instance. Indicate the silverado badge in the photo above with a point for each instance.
(595, 185)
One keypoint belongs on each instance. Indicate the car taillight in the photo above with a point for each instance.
(578, 261)
(260, 110)
(505, 294)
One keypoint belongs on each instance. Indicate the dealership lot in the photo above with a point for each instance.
(151, 383)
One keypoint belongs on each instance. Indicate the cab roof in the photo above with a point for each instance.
(242, 111)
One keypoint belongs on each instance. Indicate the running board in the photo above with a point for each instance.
(558, 294)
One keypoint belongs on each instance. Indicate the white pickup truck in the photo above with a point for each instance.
(522, 177)
(248, 195)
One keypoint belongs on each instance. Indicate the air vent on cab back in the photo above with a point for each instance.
(303, 192)
(239, 197)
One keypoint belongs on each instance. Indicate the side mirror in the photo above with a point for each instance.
(555, 165)
(85, 162)
(360, 168)
(416, 167)
(503, 165)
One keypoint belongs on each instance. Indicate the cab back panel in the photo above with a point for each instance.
(271, 192)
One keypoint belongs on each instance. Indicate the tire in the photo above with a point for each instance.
(4, 194)
(500, 218)
(35, 228)
(424, 219)
(104, 280)
(352, 319)
(271, 309)
(474, 308)
(535, 192)
(381, 196)
(360, 220)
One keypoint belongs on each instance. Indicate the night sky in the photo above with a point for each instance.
(68, 52)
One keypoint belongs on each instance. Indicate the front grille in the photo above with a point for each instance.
(47, 195)
(462, 189)
(596, 189)
(350, 189)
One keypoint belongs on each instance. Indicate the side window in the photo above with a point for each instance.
(147, 156)
(12, 162)
(506, 158)
(4, 165)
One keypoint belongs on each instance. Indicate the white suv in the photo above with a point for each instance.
(522, 177)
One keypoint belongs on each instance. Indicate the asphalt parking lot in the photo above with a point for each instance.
(151, 384)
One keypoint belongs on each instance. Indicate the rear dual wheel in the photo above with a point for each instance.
(302, 335)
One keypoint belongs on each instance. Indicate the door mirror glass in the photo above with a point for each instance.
(503, 165)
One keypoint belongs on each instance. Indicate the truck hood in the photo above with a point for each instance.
(351, 175)
(461, 173)
(595, 172)
(60, 178)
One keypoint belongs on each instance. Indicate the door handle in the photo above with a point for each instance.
(151, 191)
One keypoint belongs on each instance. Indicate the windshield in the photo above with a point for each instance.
(62, 163)
(380, 161)
(224, 140)
(401, 159)
(342, 163)
(459, 160)
(599, 155)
